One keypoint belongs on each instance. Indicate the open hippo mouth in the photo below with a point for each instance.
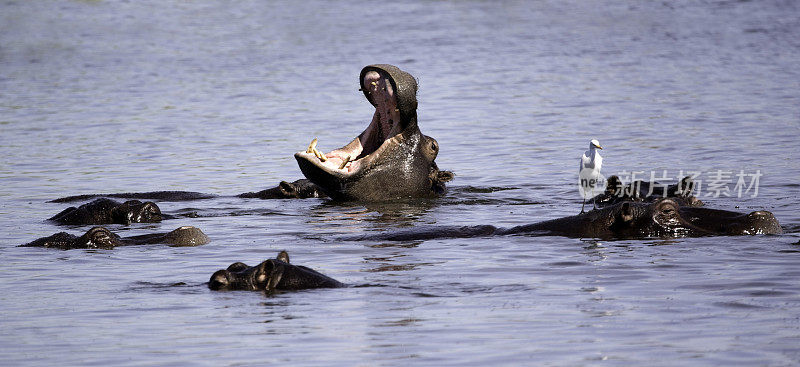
(390, 158)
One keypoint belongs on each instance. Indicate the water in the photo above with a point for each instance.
(107, 96)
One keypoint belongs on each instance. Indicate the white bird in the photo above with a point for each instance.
(591, 163)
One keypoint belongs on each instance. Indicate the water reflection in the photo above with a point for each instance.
(594, 250)
(402, 322)
(412, 244)
(231, 73)
(398, 214)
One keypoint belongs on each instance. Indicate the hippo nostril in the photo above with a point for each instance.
(761, 214)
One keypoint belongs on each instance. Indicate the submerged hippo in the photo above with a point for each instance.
(666, 217)
(300, 189)
(270, 275)
(617, 192)
(102, 238)
(391, 158)
(107, 211)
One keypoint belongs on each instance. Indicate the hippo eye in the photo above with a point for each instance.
(434, 146)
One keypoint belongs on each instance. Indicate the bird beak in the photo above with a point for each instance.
(599, 147)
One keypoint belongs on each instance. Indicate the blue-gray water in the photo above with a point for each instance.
(216, 96)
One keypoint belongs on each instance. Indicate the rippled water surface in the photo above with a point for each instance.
(108, 96)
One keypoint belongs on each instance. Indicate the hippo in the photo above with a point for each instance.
(391, 159)
(269, 276)
(107, 211)
(299, 189)
(646, 191)
(102, 238)
(151, 195)
(665, 217)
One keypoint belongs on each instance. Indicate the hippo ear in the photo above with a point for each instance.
(613, 185)
(445, 176)
(686, 186)
(626, 212)
(274, 276)
(237, 267)
(283, 256)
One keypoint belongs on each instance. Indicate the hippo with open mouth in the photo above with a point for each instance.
(391, 158)
(269, 276)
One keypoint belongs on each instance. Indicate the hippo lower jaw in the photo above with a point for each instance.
(341, 169)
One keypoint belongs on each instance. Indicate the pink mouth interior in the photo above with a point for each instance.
(385, 124)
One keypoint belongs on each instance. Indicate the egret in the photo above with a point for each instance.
(589, 173)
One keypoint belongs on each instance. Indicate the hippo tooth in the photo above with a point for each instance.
(312, 146)
(344, 163)
(320, 155)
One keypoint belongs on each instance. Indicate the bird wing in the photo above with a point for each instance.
(598, 162)
(586, 162)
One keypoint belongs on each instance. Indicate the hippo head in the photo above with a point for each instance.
(391, 159)
(239, 276)
(135, 211)
(671, 217)
(731, 223)
(186, 236)
(97, 237)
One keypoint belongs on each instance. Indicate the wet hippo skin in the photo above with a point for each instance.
(663, 218)
(107, 211)
(269, 276)
(102, 238)
(391, 159)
